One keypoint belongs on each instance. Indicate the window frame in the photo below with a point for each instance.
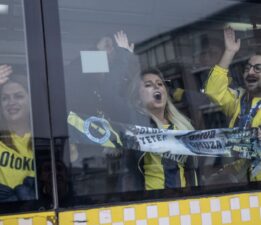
(37, 74)
(59, 128)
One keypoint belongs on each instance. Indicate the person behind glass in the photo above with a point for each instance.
(122, 65)
(151, 100)
(16, 155)
(241, 106)
(64, 188)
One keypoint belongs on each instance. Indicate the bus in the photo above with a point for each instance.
(108, 114)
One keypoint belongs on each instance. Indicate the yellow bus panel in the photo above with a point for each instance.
(43, 218)
(237, 209)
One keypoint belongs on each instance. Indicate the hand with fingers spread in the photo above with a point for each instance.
(123, 42)
(5, 72)
(231, 44)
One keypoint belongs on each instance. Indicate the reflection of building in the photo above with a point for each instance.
(185, 55)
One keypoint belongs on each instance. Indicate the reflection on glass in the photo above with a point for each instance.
(63, 186)
(152, 58)
(170, 53)
(173, 37)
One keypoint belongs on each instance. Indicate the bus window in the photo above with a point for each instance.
(18, 175)
(24, 134)
(142, 119)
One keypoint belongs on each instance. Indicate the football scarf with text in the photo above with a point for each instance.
(223, 142)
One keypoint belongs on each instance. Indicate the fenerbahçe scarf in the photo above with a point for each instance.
(223, 142)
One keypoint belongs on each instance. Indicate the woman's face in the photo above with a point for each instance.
(152, 92)
(15, 102)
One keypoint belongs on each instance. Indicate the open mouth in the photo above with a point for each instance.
(251, 79)
(157, 95)
(12, 111)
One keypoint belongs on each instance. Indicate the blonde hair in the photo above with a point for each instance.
(171, 113)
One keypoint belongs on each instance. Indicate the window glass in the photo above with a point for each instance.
(25, 184)
(17, 155)
(159, 98)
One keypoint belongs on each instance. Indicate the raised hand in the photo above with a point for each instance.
(231, 47)
(5, 72)
(231, 44)
(123, 42)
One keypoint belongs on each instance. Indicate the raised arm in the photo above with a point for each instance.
(123, 42)
(231, 47)
(217, 85)
(5, 72)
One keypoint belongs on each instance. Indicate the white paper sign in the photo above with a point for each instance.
(94, 62)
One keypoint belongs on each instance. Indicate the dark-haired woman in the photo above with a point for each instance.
(16, 155)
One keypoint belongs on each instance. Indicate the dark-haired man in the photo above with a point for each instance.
(241, 106)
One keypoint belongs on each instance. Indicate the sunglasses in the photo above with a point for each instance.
(256, 67)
